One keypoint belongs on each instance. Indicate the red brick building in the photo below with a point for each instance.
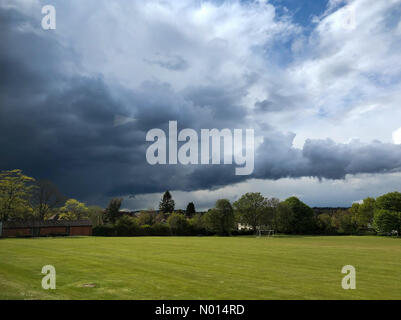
(46, 228)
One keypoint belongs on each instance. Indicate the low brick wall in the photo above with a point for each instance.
(20, 232)
(46, 228)
(45, 231)
(80, 231)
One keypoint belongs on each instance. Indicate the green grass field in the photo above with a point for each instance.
(201, 267)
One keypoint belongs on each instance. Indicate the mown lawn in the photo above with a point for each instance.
(201, 267)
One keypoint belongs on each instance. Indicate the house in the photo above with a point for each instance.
(46, 228)
(243, 227)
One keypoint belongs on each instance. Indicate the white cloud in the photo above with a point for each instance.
(351, 77)
(218, 41)
(338, 76)
(397, 136)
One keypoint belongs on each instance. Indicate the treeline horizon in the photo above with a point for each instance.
(22, 198)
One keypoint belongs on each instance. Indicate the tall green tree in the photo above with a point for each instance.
(113, 210)
(284, 218)
(190, 210)
(16, 190)
(221, 219)
(387, 216)
(303, 218)
(252, 209)
(363, 213)
(167, 203)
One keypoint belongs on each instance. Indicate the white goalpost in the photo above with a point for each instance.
(266, 232)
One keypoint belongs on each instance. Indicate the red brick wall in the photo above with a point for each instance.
(80, 231)
(44, 231)
(17, 232)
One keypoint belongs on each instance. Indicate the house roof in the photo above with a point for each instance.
(46, 223)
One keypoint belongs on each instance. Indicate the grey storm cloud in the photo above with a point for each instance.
(277, 103)
(61, 126)
(169, 62)
(277, 158)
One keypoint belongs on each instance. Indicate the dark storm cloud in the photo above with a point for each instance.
(54, 126)
(60, 126)
(334, 160)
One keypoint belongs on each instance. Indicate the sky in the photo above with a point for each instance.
(318, 81)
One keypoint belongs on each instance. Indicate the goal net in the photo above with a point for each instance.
(266, 233)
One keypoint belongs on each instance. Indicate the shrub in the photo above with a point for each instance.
(324, 224)
(161, 229)
(145, 230)
(178, 224)
(126, 226)
(197, 225)
(245, 232)
(147, 217)
(106, 230)
(386, 221)
(343, 222)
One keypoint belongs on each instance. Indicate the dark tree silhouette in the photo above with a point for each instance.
(47, 197)
(190, 209)
(113, 210)
(167, 203)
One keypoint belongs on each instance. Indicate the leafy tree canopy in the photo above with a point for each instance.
(16, 191)
(252, 209)
(221, 218)
(390, 201)
(386, 221)
(303, 216)
(74, 210)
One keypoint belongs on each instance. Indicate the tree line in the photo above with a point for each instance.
(24, 198)
(254, 211)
